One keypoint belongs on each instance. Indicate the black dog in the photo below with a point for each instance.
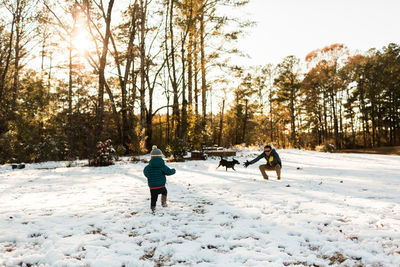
(228, 163)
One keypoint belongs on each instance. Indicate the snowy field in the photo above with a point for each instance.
(328, 210)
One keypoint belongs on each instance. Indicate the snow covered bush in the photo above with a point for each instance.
(176, 149)
(328, 147)
(105, 154)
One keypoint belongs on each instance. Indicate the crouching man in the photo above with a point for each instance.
(273, 162)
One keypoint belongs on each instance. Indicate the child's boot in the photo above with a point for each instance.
(164, 201)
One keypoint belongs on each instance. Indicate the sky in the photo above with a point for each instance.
(297, 27)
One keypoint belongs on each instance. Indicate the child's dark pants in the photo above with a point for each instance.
(155, 192)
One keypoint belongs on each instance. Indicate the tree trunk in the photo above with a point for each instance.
(245, 121)
(102, 65)
(342, 133)
(221, 123)
(373, 121)
(293, 124)
(184, 101)
(325, 125)
(114, 109)
(190, 72)
(15, 86)
(196, 72)
(168, 124)
(173, 78)
(69, 116)
(143, 4)
(203, 70)
(271, 122)
(393, 119)
(293, 114)
(123, 80)
(6, 64)
(335, 119)
(353, 133)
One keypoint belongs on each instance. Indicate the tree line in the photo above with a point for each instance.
(73, 73)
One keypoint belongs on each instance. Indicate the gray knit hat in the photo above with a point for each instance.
(155, 152)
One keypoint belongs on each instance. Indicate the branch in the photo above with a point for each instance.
(160, 108)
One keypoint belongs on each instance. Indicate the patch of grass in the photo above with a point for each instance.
(190, 237)
(26, 264)
(148, 255)
(335, 259)
(97, 231)
(352, 238)
(132, 234)
(9, 247)
(162, 260)
(34, 235)
(303, 263)
(211, 247)
(199, 211)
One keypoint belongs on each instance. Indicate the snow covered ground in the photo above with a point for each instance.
(328, 209)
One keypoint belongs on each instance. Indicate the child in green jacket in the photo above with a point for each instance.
(155, 172)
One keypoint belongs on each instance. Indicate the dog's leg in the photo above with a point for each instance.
(233, 167)
(218, 165)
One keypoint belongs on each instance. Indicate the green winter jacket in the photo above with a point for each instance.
(272, 160)
(156, 171)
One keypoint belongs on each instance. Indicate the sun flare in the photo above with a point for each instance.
(82, 42)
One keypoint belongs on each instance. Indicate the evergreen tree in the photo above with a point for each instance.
(288, 88)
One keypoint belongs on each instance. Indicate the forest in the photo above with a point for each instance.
(144, 72)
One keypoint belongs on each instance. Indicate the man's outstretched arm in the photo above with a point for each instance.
(247, 163)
